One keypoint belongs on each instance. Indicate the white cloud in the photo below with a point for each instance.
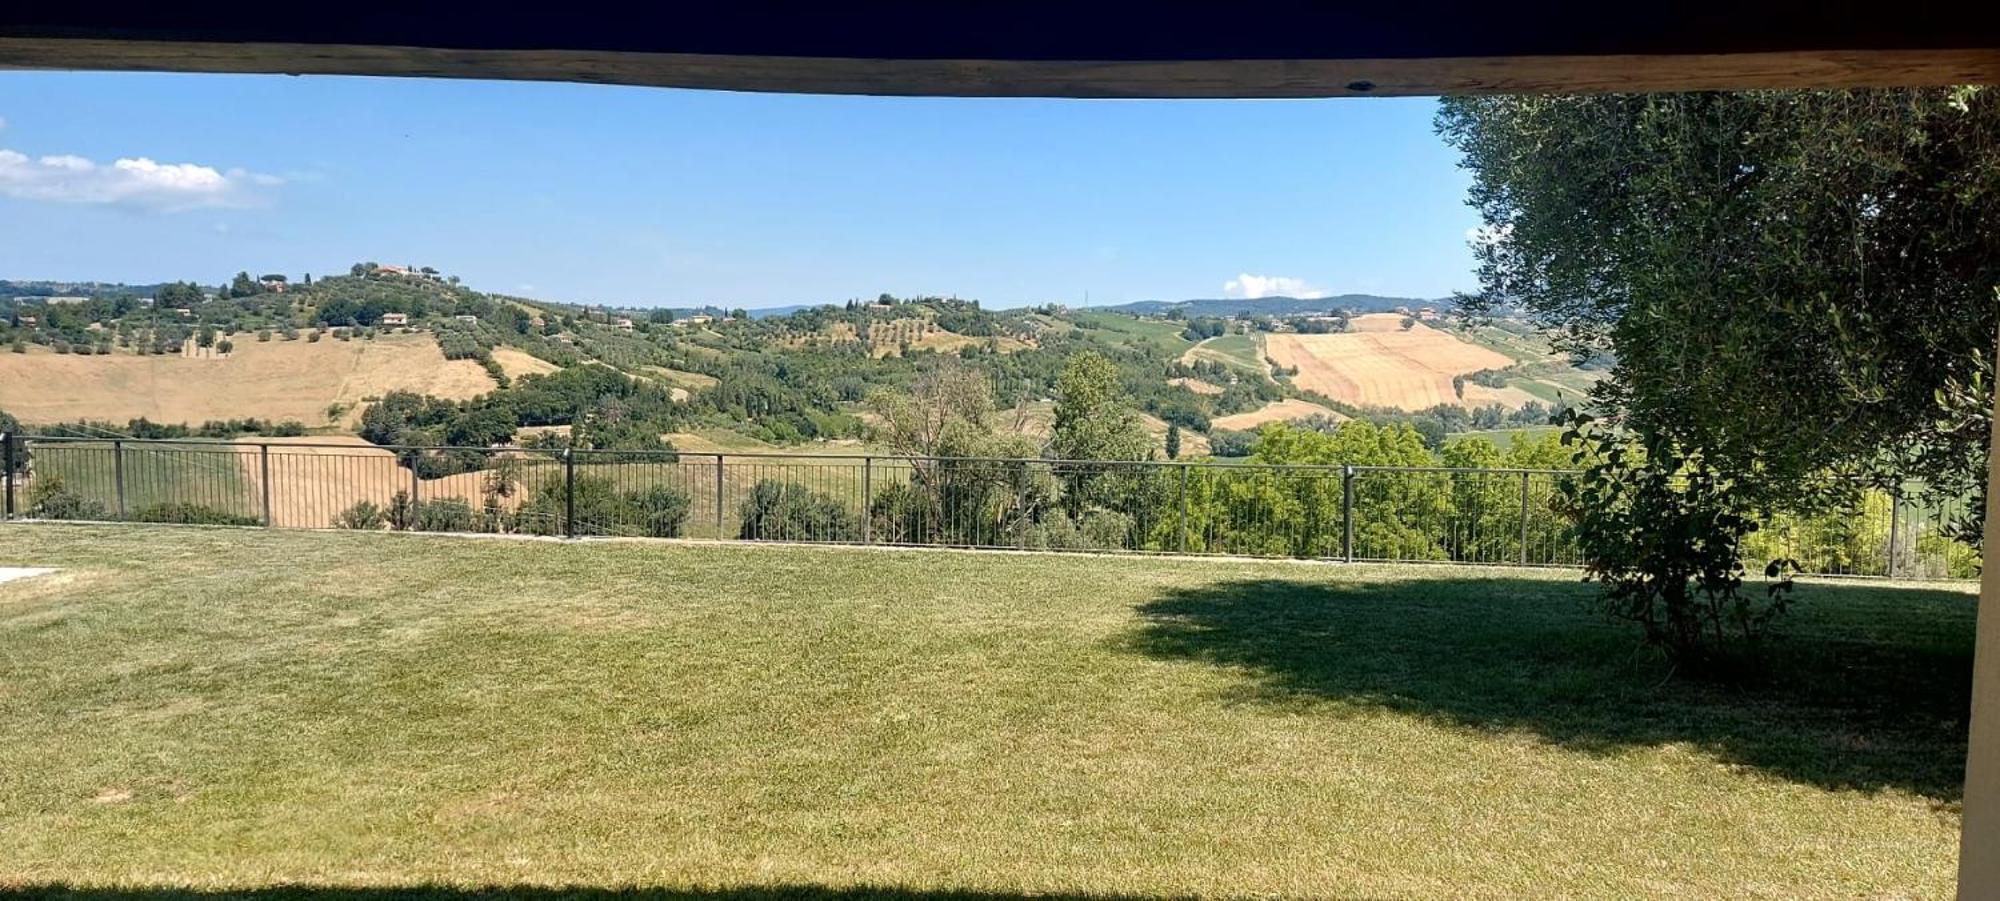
(1248, 286)
(133, 181)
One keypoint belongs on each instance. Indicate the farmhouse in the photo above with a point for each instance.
(624, 323)
(395, 319)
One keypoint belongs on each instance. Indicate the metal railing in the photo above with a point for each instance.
(1354, 513)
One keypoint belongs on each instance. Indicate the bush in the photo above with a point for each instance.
(191, 514)
(786, 511)
(1225, 443)
(656, 512)
(1664, 532)
(1097, 530)
(445, 514)
(660, 511)
(363, 515)
(50, 498)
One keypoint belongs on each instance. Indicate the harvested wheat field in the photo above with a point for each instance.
(1371, 367)
(516, 362)
(314, 479)
(275, 380)
(1286, 410)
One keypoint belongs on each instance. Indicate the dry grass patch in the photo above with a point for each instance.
(516, 362)
(275, 380)
(1287, 410)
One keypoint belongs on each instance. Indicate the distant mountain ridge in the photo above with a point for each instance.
(1278, 306)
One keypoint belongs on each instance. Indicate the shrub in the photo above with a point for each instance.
(1105, 529)
(445, 514)
(1664, 532)
(363, 515)
(660, 511)
(1225, 443)
(900, 514)
(50, 498)
(786, 511)
(656, 512)
(191, 514)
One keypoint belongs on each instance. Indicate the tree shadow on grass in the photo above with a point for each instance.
(63, 892)
(1865, 687)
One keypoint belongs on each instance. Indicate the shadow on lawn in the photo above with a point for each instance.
(533, 893)
(1866, 687)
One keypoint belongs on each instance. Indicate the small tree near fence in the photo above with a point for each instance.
(1663, 531)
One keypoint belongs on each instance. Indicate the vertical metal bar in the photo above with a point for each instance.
(1347, 513)
(1895, 508)
(264, 476)
(718, 498)
(867, 496)
(1184, 508)
(8, 440)
(118, 474)
(1524, 519)
(569, 493)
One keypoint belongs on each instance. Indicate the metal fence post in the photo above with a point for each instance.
(867, 492)
(118, 474)
(1524, 518)
(718, 498)
(1347, 513)
(7, 441)
(1184, 507)
(264, 475)
(569, 492)
(1895, 508)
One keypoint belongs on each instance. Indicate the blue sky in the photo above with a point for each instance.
(656, 197)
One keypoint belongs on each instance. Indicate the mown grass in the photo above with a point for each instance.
(363, 716)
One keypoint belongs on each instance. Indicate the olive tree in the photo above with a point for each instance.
(1794, 285)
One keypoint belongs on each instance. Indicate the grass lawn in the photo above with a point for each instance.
(227, 709)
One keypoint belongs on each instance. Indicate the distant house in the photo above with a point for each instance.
(395, 319)
(28, 321)
(65, 299)
(393, 270)
(273, 286)
(697, 320)
(624, 323)
(467, 318)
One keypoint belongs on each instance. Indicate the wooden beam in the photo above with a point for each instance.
(1017, 78)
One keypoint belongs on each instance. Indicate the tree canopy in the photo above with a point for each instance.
(1795, 283)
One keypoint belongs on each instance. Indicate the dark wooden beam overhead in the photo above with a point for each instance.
(1244, 49)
